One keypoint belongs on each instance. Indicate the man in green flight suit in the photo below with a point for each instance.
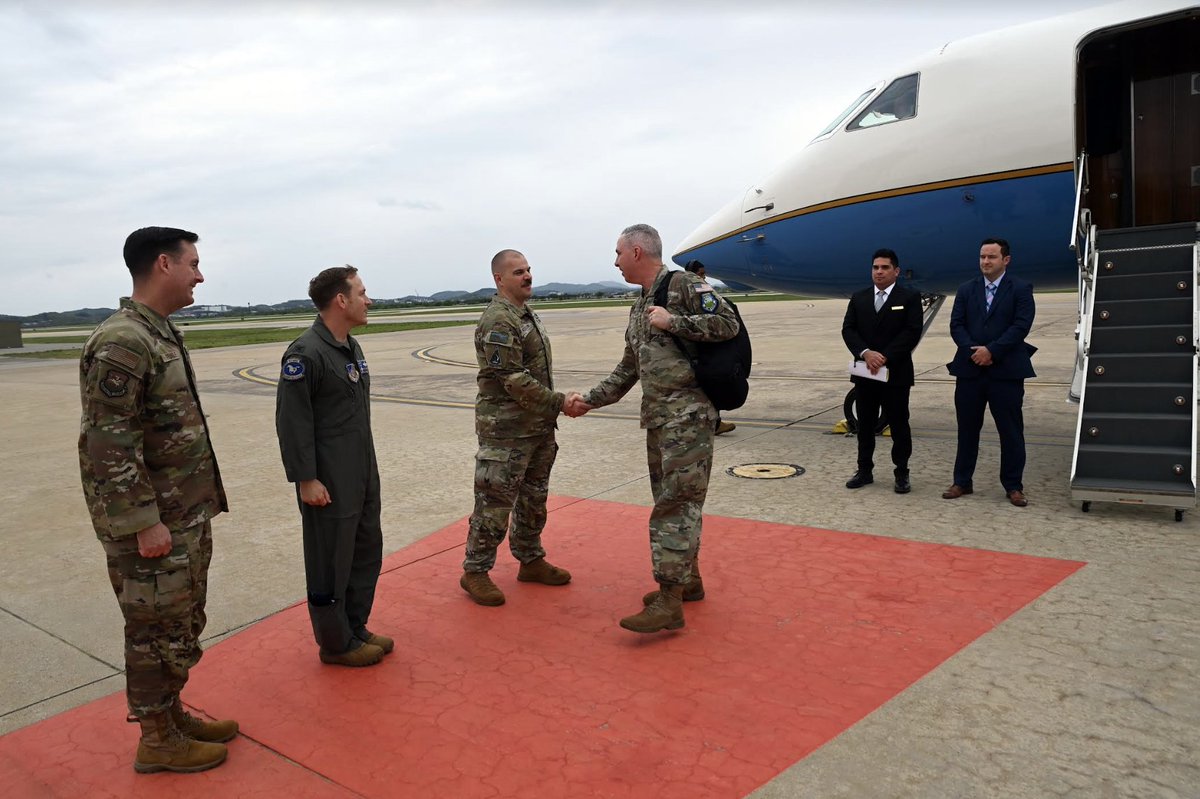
(515, 418)
(679, 419)
(151, 483)
(323, 420)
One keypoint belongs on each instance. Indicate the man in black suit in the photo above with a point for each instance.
(992, 316)
(882, 326)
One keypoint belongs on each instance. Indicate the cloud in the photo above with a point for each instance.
(290, 136)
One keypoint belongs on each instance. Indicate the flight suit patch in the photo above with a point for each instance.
(293, 369)
(115, 383)
(352, 372)
(362, 367)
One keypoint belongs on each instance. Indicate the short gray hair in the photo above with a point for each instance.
(645, 237)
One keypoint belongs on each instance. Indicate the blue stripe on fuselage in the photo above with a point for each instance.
(936, 233)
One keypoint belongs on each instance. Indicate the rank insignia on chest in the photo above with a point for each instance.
(352, 372)
(499, 337)
(362, 367)
(115, 383)
(293, 369)
(709, 302)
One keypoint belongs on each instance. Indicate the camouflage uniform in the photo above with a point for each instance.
(144, 458)
(323, 420)
(677, 416)
(516, 414)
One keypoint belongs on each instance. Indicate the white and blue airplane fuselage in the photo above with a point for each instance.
(986, 147)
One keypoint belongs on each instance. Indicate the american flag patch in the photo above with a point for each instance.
(122, 357)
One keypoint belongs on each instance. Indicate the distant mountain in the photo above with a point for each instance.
(92, 316)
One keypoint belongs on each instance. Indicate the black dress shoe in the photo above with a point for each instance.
(903, 486)
(860, 479)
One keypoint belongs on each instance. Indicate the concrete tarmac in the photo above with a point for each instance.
(1091, 690)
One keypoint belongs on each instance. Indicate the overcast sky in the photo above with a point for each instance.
(411, 140)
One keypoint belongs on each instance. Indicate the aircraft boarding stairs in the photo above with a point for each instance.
(1135, 441)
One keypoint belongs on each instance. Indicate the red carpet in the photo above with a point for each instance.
(803, 633)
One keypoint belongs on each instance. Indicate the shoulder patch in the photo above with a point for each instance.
(293, 369)
(115, 383)
(495, 359)
(499, 337)
(709, 302)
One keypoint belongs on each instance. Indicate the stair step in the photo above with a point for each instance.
(1157, 431)
(1158, 310)
(1110, 368)
(1132, 263)
(1122, 463)
(1170, 339)
(1139, 398)
(1156, 487)
(1147, 236)
(1152, 285)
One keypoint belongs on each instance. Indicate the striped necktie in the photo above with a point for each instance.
(990, 294)
(880, 298)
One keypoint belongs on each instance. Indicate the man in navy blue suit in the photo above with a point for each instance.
(989, 323)
(881, 328)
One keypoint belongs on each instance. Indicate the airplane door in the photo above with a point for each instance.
(1139, 93)
(1166, 142)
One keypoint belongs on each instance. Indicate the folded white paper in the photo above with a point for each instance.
(860, 369)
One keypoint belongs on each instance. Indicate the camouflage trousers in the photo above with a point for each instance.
(162, 600)
(511, 475)
(680, 458)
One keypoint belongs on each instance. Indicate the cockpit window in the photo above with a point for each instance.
(842, 116)
(898, 101)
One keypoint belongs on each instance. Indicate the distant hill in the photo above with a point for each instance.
(93, 316)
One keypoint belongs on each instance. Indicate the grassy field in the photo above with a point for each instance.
(200, 339)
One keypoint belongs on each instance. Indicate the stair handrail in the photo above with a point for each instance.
(1082, 217)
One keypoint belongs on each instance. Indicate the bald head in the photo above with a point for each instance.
(501, 257)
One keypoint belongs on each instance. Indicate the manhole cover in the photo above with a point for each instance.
(765, 471)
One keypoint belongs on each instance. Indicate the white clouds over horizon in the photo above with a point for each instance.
(411, 143)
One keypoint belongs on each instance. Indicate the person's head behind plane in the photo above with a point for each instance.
(993, 259)
(885, 268)
(696, 268)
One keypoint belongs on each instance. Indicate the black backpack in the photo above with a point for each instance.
(721, 367)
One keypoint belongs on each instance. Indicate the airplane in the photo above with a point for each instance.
(1072, 137)
(980, 138)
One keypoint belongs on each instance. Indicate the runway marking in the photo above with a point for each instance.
(429, 358)
(775, 668)
(248, 374)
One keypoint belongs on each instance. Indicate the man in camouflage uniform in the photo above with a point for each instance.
(678, 417)
(152, 486)
(515, 418)
(323, 419)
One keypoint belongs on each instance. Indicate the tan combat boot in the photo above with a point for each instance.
(481, 588)
(665, 612)
(199, 729)
(541, 571)
(692, 592)
(364, 655)
(164, 748)
(375, 639)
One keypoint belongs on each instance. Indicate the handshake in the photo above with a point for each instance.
(574, 406)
